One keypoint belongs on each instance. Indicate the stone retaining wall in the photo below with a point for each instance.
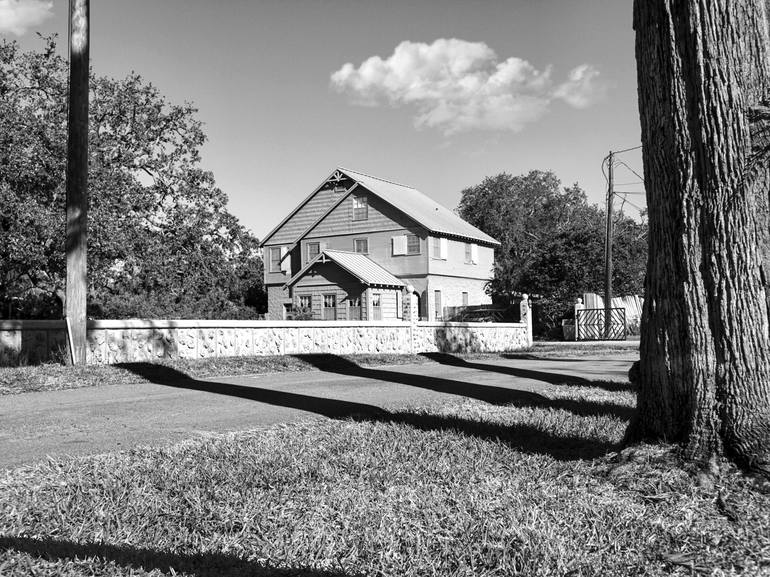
(29, 342)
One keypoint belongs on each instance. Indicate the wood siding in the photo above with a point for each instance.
(304, 217)
(381, 216)
(281, 277)
(380, 249)
(455, 264)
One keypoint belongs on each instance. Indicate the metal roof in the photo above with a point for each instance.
(359, 265)
(420, 207)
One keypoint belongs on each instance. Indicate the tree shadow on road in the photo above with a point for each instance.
(150, 560)
(537, 375)
(523, 437)
(487, 393)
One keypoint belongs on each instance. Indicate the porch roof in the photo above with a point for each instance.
(359, 265)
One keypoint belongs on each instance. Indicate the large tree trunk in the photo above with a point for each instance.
(704, 81)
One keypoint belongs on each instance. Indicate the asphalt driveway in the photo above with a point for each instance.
(173, 406)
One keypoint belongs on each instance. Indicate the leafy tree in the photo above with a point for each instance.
(552, 242)
(161, 241)
(704, 87)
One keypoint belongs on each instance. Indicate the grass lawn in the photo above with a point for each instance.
(51, 377)
(466, 489)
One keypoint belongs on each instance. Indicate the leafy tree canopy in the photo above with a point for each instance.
(552, 241)
(161, 242)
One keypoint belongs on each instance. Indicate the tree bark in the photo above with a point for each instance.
(704, 81)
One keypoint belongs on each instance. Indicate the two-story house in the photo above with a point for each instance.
(350, 249)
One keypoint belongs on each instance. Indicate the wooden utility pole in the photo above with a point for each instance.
(77, 180)
(608, 250)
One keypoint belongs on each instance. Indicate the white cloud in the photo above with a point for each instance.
(18, 16)
(457, 85)
(582, 87)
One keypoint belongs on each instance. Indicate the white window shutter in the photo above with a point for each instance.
(475, 254)
(443, 243)
(399, 244)
(286, 262)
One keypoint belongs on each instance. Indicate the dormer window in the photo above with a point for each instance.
(360, 208)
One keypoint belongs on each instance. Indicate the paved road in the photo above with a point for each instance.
(174, 407)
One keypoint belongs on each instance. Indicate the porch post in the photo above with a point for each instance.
(368, 303)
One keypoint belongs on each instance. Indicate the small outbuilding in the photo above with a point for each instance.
(342, 285)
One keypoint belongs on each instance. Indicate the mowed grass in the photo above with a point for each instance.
(468, 489)
(52, 377)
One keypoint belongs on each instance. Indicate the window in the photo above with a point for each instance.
(313, 250)
(376, 307)
(471, 253)
(440, 247)
(306, 302)
(330, 308)
(412, 244)
(361, 245)
(360, 208)
(275, 259)
(465, 299)
(439, 311)
(406, 244)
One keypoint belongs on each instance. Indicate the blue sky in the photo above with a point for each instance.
(437, 94)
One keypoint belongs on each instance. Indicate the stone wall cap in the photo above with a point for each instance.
(32, 325)
(232, 324)
(471, 325)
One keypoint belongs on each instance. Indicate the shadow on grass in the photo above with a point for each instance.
(543, 376)
(522, 437)
(200, 564)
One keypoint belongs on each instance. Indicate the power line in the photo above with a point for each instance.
(627, 149)
(632, 170)
(637, 207)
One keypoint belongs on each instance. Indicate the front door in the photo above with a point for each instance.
(354, 308)
(330, 308)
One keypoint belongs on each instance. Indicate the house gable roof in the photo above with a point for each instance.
(419, 207)
(359, 265)
(334, 176)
